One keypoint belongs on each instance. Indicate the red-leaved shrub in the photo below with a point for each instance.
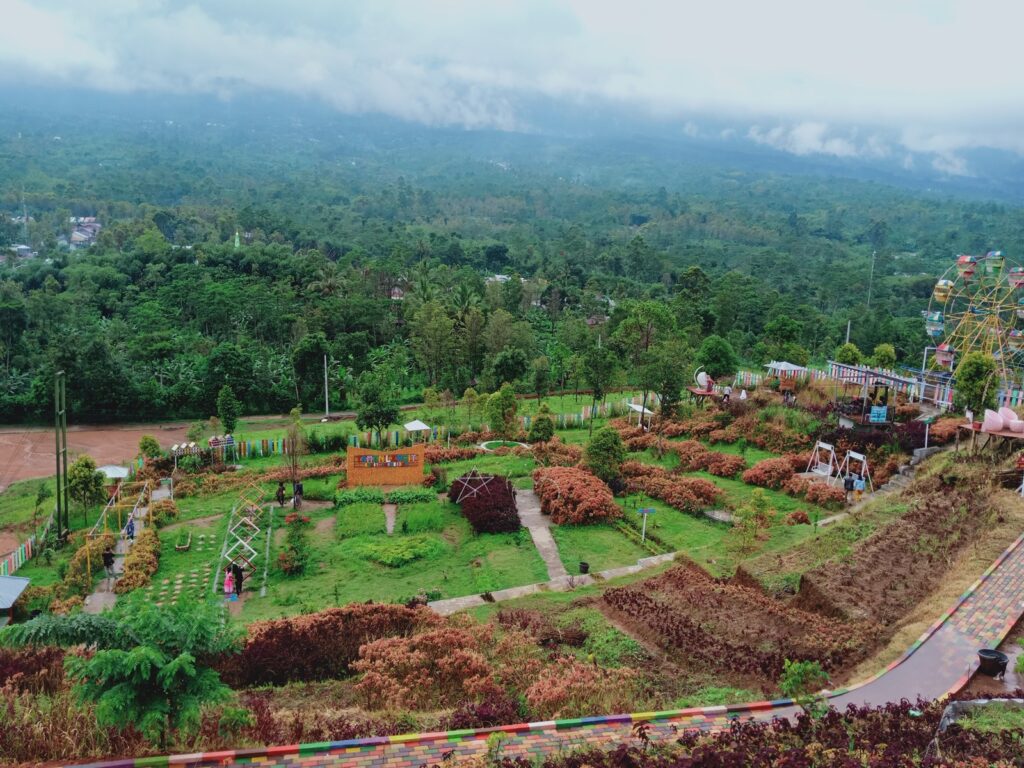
(770, 473)
(573, 496)
(826, 495)
(318, 646)
(725, 464)
(488, 502)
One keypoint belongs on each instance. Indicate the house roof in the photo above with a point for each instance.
(11, 588)
(113, 471)
(416, 426)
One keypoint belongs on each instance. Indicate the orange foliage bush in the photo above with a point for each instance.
(770, 473)
(826, 495)
(573, 496)
(725, 464)
(571, 688)
(555, 453)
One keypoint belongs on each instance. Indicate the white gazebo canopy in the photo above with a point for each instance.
(113, 471)
(640, 409)
(416, 426)
(784, 367)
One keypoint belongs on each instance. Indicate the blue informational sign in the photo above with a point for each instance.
(879, 414)
(646, 511)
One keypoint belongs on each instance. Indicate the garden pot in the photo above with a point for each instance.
(584, 567)
(992, 663)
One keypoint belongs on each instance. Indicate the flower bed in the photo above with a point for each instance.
(488, 502)
(140, 563)
(691, 495)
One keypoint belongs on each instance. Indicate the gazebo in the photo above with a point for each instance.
(783, 369)
(642, 413)
(416, 426)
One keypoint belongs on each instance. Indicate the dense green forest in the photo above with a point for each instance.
(377, 246)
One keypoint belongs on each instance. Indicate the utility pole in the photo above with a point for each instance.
(847, 331)
(871, 278)
(60, 424)
(327, 402)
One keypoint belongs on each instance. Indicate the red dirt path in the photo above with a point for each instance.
(29, 452)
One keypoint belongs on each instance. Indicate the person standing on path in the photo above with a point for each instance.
(129, 530)
(108, 562)
(238, 576)
(229, 584)
(280, 494)
(297, 504)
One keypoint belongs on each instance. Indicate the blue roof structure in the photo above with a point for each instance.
(11, 588)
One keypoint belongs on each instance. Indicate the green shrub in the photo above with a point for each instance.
(359, 495)
(361, 519)
(421, 518)
(411, 495)
(394, 552)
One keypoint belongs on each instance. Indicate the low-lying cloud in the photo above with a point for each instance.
(938, 77)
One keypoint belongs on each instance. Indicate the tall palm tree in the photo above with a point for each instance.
(329, 280)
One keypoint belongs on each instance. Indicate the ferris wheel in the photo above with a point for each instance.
(977, 306)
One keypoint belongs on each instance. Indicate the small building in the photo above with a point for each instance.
(11, 588)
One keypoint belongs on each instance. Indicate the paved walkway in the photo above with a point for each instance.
(938, 663)
(104, 597)
(539, 526)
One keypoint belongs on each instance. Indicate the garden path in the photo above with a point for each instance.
(390, 516)
(941, 661)
(104, 597)
(539, 526)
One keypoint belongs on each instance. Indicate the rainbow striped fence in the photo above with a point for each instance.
(14, 560)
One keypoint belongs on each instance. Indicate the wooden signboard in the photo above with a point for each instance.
(402, 466)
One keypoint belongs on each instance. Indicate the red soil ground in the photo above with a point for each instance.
(29, 452)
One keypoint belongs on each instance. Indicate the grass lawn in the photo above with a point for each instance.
(195, 569)
(738, 494)
(489, 464)
(17, 504)
(441, 555)
(994, 718)
(603, 546)
(751, 453)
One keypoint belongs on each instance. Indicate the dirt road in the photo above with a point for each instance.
(27, 452)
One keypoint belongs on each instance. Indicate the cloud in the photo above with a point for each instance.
(801, 67)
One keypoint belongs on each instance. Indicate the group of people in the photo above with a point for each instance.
(296, 494)
(233, 578)
(854, 484)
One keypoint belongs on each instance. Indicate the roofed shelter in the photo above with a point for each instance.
(11, 588)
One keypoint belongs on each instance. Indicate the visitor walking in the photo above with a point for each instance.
(726, 394)
(229, 584)
(280, 493)
(298, 495)
(848, 486)
(858, 487)
(129, 529)
(108, 562)
(238, 576)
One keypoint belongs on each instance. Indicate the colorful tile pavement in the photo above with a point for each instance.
(938, 663)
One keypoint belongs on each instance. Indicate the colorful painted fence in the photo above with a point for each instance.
(13, 561)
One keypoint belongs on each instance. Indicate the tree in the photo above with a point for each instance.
(295, 439)
(228, 408)
(151, 666)
(470, 401)
(377, 396)
(508, 366)
(86, 484)
(802, 681)
(149, 448)
(885, 356)
(541, 376)
(717, 357)
(665, 374)
(598, 370)
(975, 383)
(647, 323)
(501, 411)
(433, 338)
(542, 428)
(849, 354)
(43, 493)
(196, 431)
(604, 454)
(752, 520)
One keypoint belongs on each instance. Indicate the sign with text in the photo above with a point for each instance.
(403, 466)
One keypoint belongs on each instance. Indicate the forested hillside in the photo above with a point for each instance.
(373, 243)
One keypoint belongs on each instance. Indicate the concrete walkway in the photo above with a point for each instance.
(539, 526)
(559, 584)
(104, 596)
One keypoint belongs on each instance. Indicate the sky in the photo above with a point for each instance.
(870, 78)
